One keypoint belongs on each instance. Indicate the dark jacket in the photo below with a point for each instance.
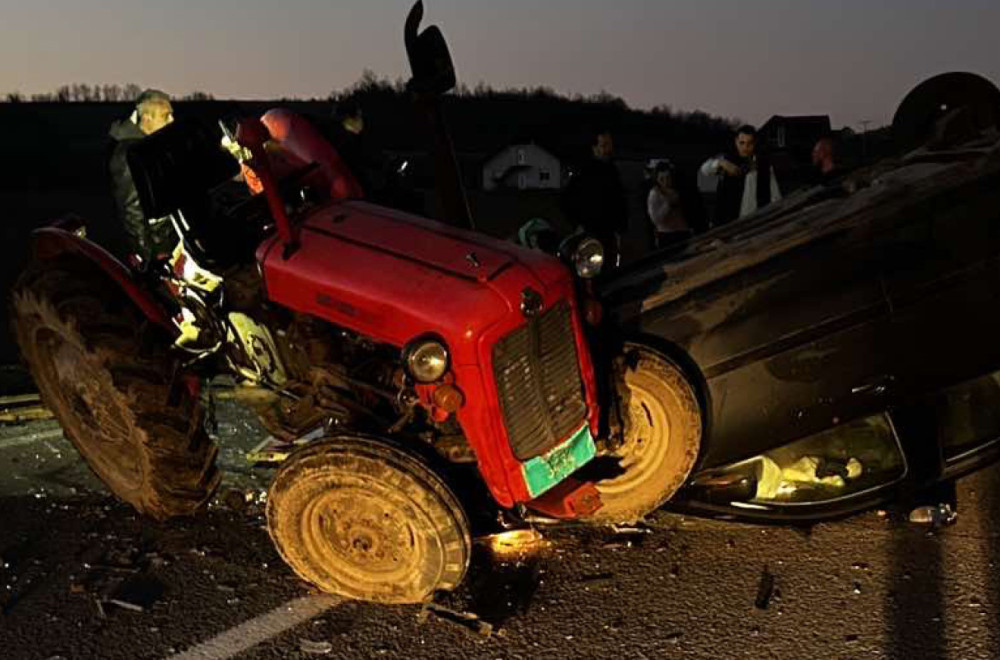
(729, 197)
(139, 237)
(595, 199)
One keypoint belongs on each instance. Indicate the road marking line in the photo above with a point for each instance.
(251, 633)
(30, 438)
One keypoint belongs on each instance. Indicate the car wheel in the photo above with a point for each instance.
(364, 519)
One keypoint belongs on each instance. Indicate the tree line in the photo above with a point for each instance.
(371, 86)
(376, 89)
(84, 93)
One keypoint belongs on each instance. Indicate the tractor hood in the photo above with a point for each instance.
(394, 276)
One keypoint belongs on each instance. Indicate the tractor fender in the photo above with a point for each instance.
(58, 240)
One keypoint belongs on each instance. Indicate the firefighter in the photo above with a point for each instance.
(141, 240)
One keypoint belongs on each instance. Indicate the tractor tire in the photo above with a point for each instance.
(662, 427)
(364, 519)
(106, 374)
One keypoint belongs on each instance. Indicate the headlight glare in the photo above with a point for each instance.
(588, 258)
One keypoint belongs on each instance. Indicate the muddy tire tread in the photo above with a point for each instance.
(177, 455)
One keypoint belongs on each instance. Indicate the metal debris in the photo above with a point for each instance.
(632, 529)
(467, 620)
(315, 648)
(124, 604)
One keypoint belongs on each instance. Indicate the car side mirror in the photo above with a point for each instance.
(430, 59)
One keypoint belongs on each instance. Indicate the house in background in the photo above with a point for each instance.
(522, 166)
(794, 134)
(790, 141)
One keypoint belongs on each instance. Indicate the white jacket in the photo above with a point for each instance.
(749, 200)
(664, 211)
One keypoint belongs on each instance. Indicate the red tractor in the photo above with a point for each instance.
(422, 350)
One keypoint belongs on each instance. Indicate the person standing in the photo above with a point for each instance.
(746, 181)
(824, 159)
(143, 238)
(594, 199)
(663, 205)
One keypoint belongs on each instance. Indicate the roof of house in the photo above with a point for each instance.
(821, 122)
(560, 153)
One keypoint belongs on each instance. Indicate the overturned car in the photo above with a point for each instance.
(842, 341)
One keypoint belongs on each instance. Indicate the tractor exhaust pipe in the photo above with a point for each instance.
(433, 76)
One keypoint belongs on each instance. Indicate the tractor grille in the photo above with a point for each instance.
(538, 377)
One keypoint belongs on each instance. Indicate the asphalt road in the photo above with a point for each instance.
(214, 587)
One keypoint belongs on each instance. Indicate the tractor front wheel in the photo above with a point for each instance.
(661, 436)
(364, 519)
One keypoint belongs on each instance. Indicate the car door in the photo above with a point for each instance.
(811, 338)
(789, 346)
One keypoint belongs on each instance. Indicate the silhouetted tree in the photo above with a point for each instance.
(131, 92)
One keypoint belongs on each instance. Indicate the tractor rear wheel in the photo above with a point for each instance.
(364, 519)
(662, 436)
(106, 377)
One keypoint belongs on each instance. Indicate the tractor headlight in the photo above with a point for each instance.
(426, 360)
(588, 257)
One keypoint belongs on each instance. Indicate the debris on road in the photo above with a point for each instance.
(632, 529)
(627, 536)
(940, 515)
(516, 544)
(138, 593)
(315, 648)
(124, 604)
(765, 589)
(467, 620)
(22, 408)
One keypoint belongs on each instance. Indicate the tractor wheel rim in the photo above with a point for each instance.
(647, 439)
(365, 535)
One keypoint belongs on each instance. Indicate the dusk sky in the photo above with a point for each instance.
(852, 59)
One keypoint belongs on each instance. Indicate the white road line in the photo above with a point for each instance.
(251, 633)
(30, 438)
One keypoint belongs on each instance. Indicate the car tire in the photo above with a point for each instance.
(106, 375)
(367, 520)
(661, 436)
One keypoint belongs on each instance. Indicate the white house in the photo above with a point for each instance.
(522, 167)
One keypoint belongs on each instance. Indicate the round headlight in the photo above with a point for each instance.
(427, 360)
(589, 258)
